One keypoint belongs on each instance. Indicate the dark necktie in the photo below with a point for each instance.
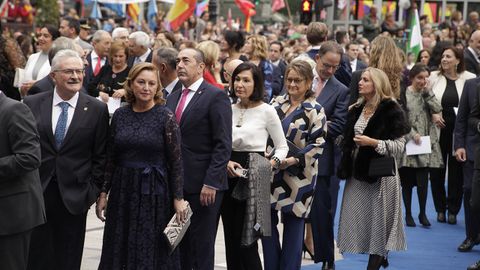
(61, 127)
(165, 93)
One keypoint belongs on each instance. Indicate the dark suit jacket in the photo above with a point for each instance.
(360, 65)
(44, 85)
(470, 63)
(131, 59)
(278, 77)
(79, 165)
(206, 128)
(473, 122)
(466, 136)
(89, 72)
(21, 199)
(334, 100)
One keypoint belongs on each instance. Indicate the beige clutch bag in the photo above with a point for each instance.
(175, 231)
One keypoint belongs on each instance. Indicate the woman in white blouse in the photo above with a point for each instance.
(38, 65)
(253, 123)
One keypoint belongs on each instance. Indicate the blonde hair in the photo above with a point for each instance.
(384, 56)
(133, 74)
(259, 47)
(381, 86)
(211, 51)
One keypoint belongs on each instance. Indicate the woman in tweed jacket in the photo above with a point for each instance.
(304, 125)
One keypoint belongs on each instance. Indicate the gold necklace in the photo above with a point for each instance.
(240, 117)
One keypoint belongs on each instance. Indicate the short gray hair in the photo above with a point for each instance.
(118, 31)
(59, 44)
(62, 55)
(168, 56)
(99, 34)
(141, 38)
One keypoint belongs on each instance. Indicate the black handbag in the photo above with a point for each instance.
(382, 166)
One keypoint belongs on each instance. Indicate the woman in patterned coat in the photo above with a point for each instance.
(371, 212)
(420, 105)
(304, 125)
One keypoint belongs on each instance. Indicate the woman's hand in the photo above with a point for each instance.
(101, 206)
(417, 139)
(362, 140)
(25, 87)
(181, 210)
(104, 96)
(231, 166)
(118, 93)
(290, 161)
(438, 120)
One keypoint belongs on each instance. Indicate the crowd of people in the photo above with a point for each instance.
(253, 128)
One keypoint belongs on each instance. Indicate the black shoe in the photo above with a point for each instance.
(424, 220)
(305, 249)
(467, 245)
(385, 263)
(475, 266)
(328, 266)
(409, 221)
(441, 217)
(452, 219)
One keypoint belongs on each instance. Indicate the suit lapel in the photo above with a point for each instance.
(192, 102)
(46, 117)
(327, 92)
(78, 117)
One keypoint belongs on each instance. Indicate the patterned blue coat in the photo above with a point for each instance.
(305, 127)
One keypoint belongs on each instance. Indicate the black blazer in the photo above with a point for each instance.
(206, 128)
(131, 59)
(470, 63)
(79, 165)
(44, 85)
(278, 78)
(89, 72)
(466, 136)
(21, 196)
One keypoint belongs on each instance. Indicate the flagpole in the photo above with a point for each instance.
(288, 10)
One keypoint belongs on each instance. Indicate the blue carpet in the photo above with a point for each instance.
(433, 248)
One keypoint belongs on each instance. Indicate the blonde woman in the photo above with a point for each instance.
(371, 215)
(211, 51)
(256, 48)
(381, 57)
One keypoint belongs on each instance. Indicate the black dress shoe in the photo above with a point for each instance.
(424, 220)
(466, 245)
(475, 266)
(409, 221)
(441, 217)
(328, 266)
(452, 219)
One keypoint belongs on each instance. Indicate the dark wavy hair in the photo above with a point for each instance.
(257, 74)
(417, 69)
(459, 55)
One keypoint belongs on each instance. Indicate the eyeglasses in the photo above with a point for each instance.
(294, 81)
(70, 72)
(328, 66)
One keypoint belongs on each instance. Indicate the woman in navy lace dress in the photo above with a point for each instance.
(143, 178)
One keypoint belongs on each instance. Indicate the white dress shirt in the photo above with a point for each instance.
(143, 57)
(95, 59)
(57, 110)
(193, 88)
(169, 88)
(353, 64)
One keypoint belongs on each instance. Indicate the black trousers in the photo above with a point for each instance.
(453, 202)
(321, 219)
(233, 212)
(57, 244)
(472, 219)
(14, 250)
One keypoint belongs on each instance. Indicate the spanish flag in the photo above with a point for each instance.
(133, 10)
(180, 12)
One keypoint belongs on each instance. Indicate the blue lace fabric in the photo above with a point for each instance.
(144, 173)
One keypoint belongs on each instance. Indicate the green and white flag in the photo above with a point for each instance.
(415, 36)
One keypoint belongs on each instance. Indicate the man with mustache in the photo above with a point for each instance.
(204, 115)
(73, 130)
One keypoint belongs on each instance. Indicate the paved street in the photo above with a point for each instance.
(93, 245)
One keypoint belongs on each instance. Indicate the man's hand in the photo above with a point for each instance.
(461, 155)
(207, 196)
(101, 206)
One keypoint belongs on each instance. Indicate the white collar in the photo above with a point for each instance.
(169, 88)
(57, 99)
(95, 55)
(194, 86)
(144, 56)
(474, 54)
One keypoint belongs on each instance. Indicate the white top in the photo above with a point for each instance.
(169, 88)
(57, 110)
(42, 72)
(258, 124)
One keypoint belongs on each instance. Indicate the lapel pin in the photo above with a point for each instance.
(200, 92)
(86, 108)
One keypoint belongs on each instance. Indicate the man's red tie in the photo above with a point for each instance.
(181, 104)
(98, 66)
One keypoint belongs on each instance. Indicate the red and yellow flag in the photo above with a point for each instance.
(180, 12)
(133, 11)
